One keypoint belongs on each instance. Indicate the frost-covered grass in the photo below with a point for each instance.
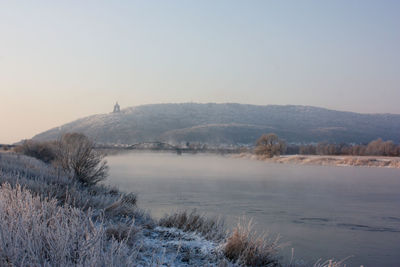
(38, 232)
(46, 181)
(330, 263)
(243, 246)
(209, 228)
(55, 214)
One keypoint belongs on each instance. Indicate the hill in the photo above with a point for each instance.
(231, 124)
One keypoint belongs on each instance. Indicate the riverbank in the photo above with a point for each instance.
(49, 219)
(364, 161)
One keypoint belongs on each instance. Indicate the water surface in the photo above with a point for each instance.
(324, 211)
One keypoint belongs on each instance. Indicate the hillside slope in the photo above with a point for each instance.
(230, 124)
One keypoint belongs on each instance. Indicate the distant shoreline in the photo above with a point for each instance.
(364, 161)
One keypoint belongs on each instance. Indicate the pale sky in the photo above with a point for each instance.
(63, 60)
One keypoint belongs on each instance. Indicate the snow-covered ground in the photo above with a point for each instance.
(364, 161)
(174, 247)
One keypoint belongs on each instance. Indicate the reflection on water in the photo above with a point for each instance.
(323, 211)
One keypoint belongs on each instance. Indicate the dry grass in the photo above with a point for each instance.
(123, 232)
(330, 263)
(124, 207)
(209, 228)
(245, 247)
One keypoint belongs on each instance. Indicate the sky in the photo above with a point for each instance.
(63, 60)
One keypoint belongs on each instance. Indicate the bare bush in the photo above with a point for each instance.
(247, 248)
(44, 151)
(209, 228)
(76, 155)
(4, 147)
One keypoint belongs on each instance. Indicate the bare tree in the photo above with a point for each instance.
(270, 145)
(373, 147)
(76, 155)
(388, 149)
(308, 149)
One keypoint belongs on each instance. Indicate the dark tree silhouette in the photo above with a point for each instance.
(270, 145)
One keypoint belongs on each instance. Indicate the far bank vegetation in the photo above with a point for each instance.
(270, 145)
(376, 147)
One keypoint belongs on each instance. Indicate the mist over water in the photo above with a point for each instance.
(324, 211)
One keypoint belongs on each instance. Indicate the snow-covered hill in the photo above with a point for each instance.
(230, 124)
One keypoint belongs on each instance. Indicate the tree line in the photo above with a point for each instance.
(270, 145)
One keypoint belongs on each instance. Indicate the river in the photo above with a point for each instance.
(320, 211)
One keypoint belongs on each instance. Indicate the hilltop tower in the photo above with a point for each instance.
(116, 108)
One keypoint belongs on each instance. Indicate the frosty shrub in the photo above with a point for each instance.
(76, 155)
(209, 228)
(44, 151)
(246, 248)
(35, 232)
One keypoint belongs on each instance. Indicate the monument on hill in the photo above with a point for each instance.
(116, 108)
